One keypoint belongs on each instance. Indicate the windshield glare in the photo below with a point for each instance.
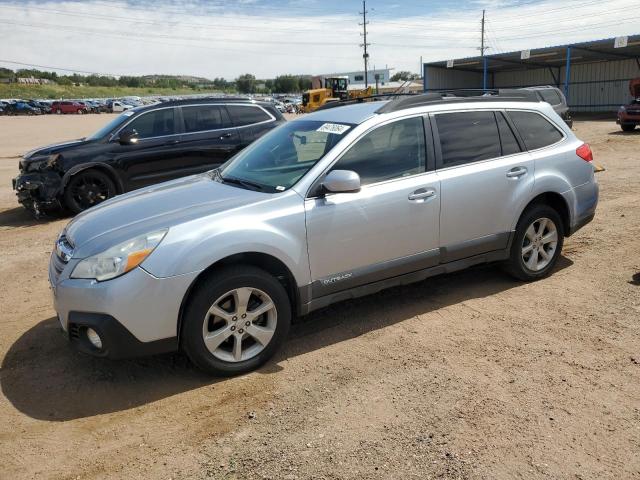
(115, 123)
(279, 159)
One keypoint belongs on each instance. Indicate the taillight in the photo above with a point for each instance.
(584, 152)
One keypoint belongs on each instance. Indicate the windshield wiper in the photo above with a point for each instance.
(243, 183)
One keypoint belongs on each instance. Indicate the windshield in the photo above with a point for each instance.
(279, 159)
(116, 122)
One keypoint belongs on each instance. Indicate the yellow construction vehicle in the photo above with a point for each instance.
(335, 89)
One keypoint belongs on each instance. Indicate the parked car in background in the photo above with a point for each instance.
(60, 107)
(42, 106)
(89, 106)
(141, 147)
(629, 115)
(554, 97)
(24, 108)
(339, 204)
(116, 106)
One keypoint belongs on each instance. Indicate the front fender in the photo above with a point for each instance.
(196, 245)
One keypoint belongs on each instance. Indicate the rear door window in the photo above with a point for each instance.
(247, 115)
(467, 137)
(535, 130)
(157, 123)
(205, 117)
(507, 138)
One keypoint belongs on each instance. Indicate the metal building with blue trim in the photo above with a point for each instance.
(593, 75)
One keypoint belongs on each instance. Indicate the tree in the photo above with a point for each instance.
(246, 83)
(286, 84)
(220, 83)
(403, 76)
(304, 83)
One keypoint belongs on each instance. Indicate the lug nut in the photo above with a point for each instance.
(234, 318)
(240, 331)
(244, 315)
(248, 323)
(233, 327)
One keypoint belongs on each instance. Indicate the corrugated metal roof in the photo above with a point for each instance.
(556, 56)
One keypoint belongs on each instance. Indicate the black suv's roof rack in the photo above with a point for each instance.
(402, 101)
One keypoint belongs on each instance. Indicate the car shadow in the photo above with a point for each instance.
(626, 134)
(21, 217)
(44, 378)
(635, 279)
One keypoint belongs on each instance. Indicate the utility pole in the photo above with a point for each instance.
(482, 47)
(365, 56)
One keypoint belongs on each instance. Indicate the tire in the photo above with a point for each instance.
(628, 128)
(58, 111)
(532, 265)
(217, 291)
(88, 188)
(80, 111)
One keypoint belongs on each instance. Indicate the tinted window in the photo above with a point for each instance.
(391, 151)
(535, 130)
(550, 96)
(507, 138)
(157, 123)
(205, 117)
(246, 115)
(467, 137)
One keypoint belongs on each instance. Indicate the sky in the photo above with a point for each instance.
(220, 38)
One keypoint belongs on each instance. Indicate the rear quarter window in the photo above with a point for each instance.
(550, 96)
(467, 137)
(247, 115)
(535, 130)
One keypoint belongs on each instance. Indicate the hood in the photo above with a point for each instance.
(634, 87)
(154, 208)
(55, 148)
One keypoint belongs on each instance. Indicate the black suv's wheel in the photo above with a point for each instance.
(628, 128)
(537, 243)
(88, 188)
(235, 321)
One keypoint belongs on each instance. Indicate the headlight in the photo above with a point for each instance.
(622, 109)
(120, 259)
(37, 165)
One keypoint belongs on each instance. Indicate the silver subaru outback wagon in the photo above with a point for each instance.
(337, 204)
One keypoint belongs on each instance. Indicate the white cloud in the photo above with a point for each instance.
(189, 38)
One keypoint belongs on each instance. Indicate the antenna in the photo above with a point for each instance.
(365, 55)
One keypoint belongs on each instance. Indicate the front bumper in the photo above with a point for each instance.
(37, 191)
(135, 314)
(626, 119)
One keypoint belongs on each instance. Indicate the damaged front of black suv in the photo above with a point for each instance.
(39, 184)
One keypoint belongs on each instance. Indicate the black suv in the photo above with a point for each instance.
(554, 97)
(142, 146)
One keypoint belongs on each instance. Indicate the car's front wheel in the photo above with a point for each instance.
(88, 188)
(235, 320)
(628, 127)
(537, 243)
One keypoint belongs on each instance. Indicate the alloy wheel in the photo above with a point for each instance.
(539, 244)
(239, 324)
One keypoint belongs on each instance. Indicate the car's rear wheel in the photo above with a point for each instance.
(80, 111)
(235, 320)
(628, 128)
(58, 111)
(537, 244)
(88, 188)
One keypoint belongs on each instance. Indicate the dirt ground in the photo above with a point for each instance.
(470, 375)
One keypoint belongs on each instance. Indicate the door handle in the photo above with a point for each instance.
(172, 142)
(421, 194)
(226, 135)
(516, 172)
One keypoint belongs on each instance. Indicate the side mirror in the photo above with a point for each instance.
(128, 137)
(342, 181)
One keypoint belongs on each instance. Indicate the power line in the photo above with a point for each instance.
(32, 65)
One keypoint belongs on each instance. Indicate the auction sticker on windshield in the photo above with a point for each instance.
(336, 128)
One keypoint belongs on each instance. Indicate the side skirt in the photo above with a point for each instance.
(310, 302)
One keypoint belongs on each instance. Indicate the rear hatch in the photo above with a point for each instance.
(634, 87)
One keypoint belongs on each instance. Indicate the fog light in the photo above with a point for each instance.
(94, 338)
